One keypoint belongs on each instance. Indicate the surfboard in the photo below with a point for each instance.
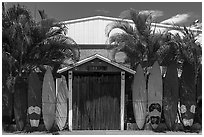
(61, 104)
(7, 104)
(199, 84)
(48, 100)
(155, 96)
(34, 99)
(187, 94)
(20, 103)
(170, 96)
(139, 97)
(198, 115)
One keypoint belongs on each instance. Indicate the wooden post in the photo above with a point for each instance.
(70, 75)
(122, 104)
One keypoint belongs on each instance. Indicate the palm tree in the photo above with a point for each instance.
(32, 44)
(16, 40)
(145, 45)
(189, 50)
(139, 42)
(17, 23)
(28, 45)
(55, 46)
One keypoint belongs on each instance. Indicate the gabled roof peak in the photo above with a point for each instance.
(94, 18)
(98, 56)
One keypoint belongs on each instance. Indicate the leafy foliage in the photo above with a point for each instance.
(138, 43)
(142, 44)
(28, 45)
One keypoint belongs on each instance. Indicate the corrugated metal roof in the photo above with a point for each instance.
(101, 58)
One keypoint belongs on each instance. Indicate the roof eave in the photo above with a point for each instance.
(99, 57)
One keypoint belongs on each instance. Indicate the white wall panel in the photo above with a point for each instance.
(92, 30)
(88, 32)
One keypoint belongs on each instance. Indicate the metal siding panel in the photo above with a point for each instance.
(105, 23)
(95, 33)
(89, 32)
(72, 32)
(81, 32)
(100, 32)
(85, 32)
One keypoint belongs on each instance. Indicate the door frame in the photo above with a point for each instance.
(122, 99)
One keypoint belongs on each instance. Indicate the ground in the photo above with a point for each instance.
(102, 132)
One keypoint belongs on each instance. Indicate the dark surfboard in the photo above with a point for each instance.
(170, 95)
(198, 117)
(20, 103)
(187, 94)
(139, 97)
(48, 100)
(7, 104)
(155, 95)
(34, 99)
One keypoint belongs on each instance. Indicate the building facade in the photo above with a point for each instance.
(99, 90)
(89, 34)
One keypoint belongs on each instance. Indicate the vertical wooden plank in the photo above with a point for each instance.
(74, 102)
(122, 103)
(70, 75)
(77, 102)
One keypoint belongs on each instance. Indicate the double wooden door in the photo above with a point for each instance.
(96, 102)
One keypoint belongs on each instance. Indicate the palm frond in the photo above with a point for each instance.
(188, 47)
(142, 22)
(57, 47)
(123, 25)
(42, 13)
(122, 37)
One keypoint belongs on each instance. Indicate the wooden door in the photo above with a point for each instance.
(96, 102)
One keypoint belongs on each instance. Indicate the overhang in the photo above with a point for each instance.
(100, 57)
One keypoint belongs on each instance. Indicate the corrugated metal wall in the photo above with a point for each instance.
(88, 32)
(92, 30)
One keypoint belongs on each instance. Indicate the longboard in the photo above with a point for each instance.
(187, 94)
(48, 100)
(198, 114)
(20, 103)
(7, 104)
(199, 84)
(155, 96)
(61, 104)
(170, 95)
(34, 99)
(139, 97)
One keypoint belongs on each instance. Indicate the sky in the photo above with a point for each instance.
(180, 13)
